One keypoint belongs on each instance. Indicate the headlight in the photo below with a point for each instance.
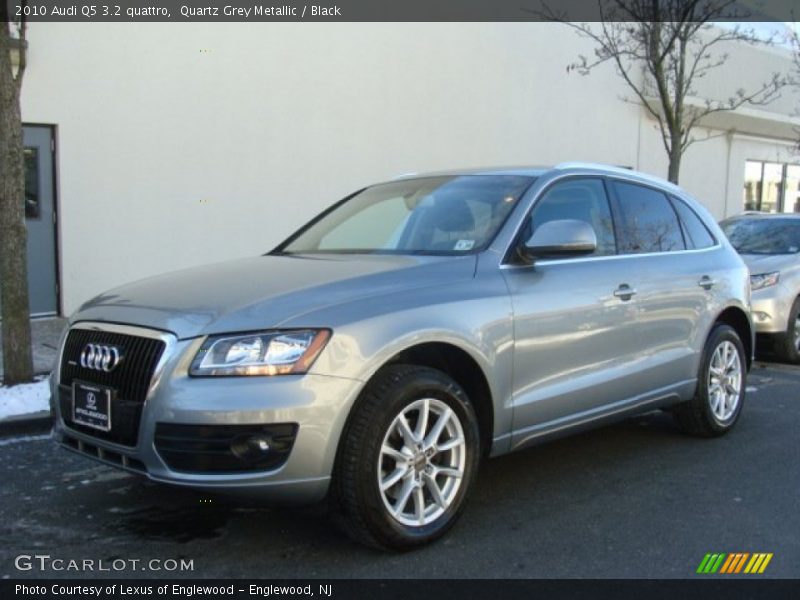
(763, 280)
(267, 353)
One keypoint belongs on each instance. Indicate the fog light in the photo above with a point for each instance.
(761, 316)
(250, 447)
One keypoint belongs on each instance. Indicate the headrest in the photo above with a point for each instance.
(448, 214)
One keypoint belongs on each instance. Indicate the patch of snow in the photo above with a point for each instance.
(24, 398)
(27, 438)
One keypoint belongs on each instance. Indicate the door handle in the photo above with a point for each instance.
(624, 292)
(706, 282)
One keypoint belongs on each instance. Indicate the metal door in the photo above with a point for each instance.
(574, 325)
(40, 219)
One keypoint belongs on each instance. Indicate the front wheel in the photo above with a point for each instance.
(408, 457)
(721, 386)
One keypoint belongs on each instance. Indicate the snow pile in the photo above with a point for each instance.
(24, 398)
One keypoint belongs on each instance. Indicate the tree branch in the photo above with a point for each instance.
(675, 44)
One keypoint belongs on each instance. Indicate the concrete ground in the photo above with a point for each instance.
(45, 334)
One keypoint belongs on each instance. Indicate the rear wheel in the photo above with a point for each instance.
(408, 458)
(787, 345)
(721, 385)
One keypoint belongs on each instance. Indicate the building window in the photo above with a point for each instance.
(771, 187)
(791, 198)
(32, 183)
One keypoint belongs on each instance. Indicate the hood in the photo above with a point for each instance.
(264, 292)
(766, 263)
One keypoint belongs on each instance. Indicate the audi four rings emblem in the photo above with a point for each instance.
(100, 358)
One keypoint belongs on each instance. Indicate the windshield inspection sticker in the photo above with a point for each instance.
(464, 245)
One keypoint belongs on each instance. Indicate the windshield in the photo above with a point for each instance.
(430, 215)
(763, 236)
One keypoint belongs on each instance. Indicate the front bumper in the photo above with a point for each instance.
(317, 404)
(770, 308)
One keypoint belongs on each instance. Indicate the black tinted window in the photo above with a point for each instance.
(696, 233)
(648, 222)
(580, 199)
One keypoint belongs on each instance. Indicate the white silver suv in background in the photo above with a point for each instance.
(770, 246)
(374, 357)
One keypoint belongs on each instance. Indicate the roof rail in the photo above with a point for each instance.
(591, 165)
(615, 169)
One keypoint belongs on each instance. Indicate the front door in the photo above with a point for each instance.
(40, 219)
(574, 325)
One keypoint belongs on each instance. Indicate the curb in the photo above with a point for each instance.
(38, 422)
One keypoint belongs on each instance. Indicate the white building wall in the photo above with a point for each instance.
(182, 144)
(704, 166)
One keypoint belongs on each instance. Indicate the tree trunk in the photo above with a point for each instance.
(16, 328)
(674, 160)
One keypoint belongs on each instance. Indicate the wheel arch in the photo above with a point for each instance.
(740, 321)
(458, 364)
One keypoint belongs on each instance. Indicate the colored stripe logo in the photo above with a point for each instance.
(736, 562)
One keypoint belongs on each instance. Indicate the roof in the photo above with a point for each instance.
(520, 171)
(537, 171)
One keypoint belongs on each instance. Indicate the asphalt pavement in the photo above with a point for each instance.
(634, 500)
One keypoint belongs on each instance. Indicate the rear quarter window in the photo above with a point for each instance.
(694, 230)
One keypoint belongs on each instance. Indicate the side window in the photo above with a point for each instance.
(581, 199)
(647, 223)
(695, 231)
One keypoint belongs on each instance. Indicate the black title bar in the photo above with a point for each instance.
(139, 11)
(700, 588)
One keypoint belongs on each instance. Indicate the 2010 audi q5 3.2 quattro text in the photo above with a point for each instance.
(374, 357)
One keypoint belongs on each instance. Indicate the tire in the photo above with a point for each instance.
(716, 405)
(385, 479)
(787, 345)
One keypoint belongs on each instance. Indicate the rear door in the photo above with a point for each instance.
(670, 274)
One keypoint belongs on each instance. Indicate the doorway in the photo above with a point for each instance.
(41, 219)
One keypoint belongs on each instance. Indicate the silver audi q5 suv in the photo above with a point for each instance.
(379, 353)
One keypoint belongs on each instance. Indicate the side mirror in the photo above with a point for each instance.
(566, 237)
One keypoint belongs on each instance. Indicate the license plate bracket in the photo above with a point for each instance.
(91, 405)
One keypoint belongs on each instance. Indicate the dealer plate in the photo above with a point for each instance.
(91, 405)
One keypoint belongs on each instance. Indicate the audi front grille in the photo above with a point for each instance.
(130, 379)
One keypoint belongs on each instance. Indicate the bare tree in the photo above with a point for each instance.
(661, 49)
(16, 329)
(794, 41)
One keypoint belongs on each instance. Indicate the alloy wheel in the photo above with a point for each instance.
(725, 381)
(797, 333)
(421, 462)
